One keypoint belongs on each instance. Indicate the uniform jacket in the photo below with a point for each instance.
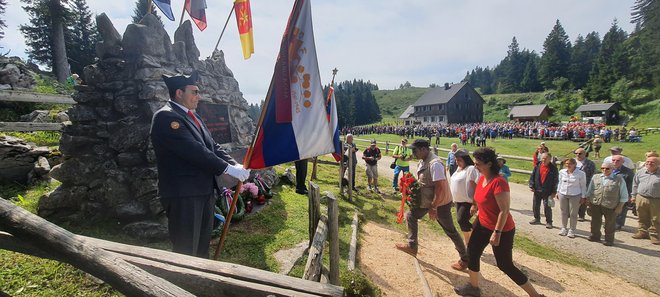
(187, 159)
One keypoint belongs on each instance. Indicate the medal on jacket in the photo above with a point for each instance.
(175, 125)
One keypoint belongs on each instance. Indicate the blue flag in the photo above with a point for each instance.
(165, 7)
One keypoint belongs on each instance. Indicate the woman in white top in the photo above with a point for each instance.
(462, 185)
(571, 189)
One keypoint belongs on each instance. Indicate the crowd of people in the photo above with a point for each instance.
(477, 186)
(477, 133)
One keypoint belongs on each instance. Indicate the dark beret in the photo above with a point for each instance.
(180, 81)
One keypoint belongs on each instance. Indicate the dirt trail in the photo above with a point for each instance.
(631, 263)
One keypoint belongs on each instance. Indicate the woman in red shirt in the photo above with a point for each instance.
(493, 225)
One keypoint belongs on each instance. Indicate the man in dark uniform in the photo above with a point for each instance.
(188, 161)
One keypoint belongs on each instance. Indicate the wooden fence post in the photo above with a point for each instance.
(353, 249)
(315, 256)
(314, 163)
(314, 203)
(333, 229)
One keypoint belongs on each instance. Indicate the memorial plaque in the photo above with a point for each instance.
(216, 118)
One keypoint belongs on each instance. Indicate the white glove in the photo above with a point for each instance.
(238, 172)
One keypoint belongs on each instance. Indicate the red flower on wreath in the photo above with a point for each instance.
(409, 188)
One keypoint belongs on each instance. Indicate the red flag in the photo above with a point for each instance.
(197, 11)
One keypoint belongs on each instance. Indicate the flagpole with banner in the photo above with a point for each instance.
(294, 124)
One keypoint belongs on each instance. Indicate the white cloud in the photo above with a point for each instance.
(388, 42)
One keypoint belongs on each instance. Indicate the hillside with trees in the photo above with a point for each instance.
(620, 67)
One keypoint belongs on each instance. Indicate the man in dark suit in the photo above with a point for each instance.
(188, 161)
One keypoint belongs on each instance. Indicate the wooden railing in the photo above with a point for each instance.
(20, 96)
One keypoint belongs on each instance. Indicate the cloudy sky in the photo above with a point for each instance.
(385, 41)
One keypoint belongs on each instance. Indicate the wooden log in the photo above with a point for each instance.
(333, 230)
(425, 284)
(19, 96)
(314, 202)
(122, 276)
(315, 256)
(352, 251)
(29, 126)
(197, 282)
(232, 270)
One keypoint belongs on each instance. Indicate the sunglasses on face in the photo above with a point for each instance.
(605, 168)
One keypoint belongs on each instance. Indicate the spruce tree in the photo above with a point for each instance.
(556, 56)
(45, 34)
(516, 65)
(643, 46)
(530, 81)
(610, 66)
(141, 8)
(84, 36)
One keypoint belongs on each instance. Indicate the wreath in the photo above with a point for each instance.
(409, 188)
(225, 202)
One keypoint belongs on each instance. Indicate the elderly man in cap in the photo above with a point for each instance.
(436, 200)
(616, 151)
(589, 168)
(646, 193)
(605, 196)
(371, 155)
(188, 160)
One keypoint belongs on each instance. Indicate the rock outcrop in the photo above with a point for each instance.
(22, 162)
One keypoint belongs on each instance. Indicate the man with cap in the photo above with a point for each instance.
(371, 155)
(188, 160)
(617, 150)
(435, 199)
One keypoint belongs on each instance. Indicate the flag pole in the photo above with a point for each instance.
(225, 228)
(182, 13)
(225, 27)
(316, 159)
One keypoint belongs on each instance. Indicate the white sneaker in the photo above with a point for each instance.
(370, 190)
(377, 190)
(563, 232)
(571, 233)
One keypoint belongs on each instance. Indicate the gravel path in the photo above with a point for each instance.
(636, 261)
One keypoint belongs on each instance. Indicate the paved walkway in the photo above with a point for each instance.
(637, 261)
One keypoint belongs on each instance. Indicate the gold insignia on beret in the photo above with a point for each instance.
(175, 125)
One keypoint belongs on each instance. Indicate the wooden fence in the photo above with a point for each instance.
(20, 96)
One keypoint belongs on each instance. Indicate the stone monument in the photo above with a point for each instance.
(109, 169)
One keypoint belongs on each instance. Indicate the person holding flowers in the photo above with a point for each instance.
(433, 198)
